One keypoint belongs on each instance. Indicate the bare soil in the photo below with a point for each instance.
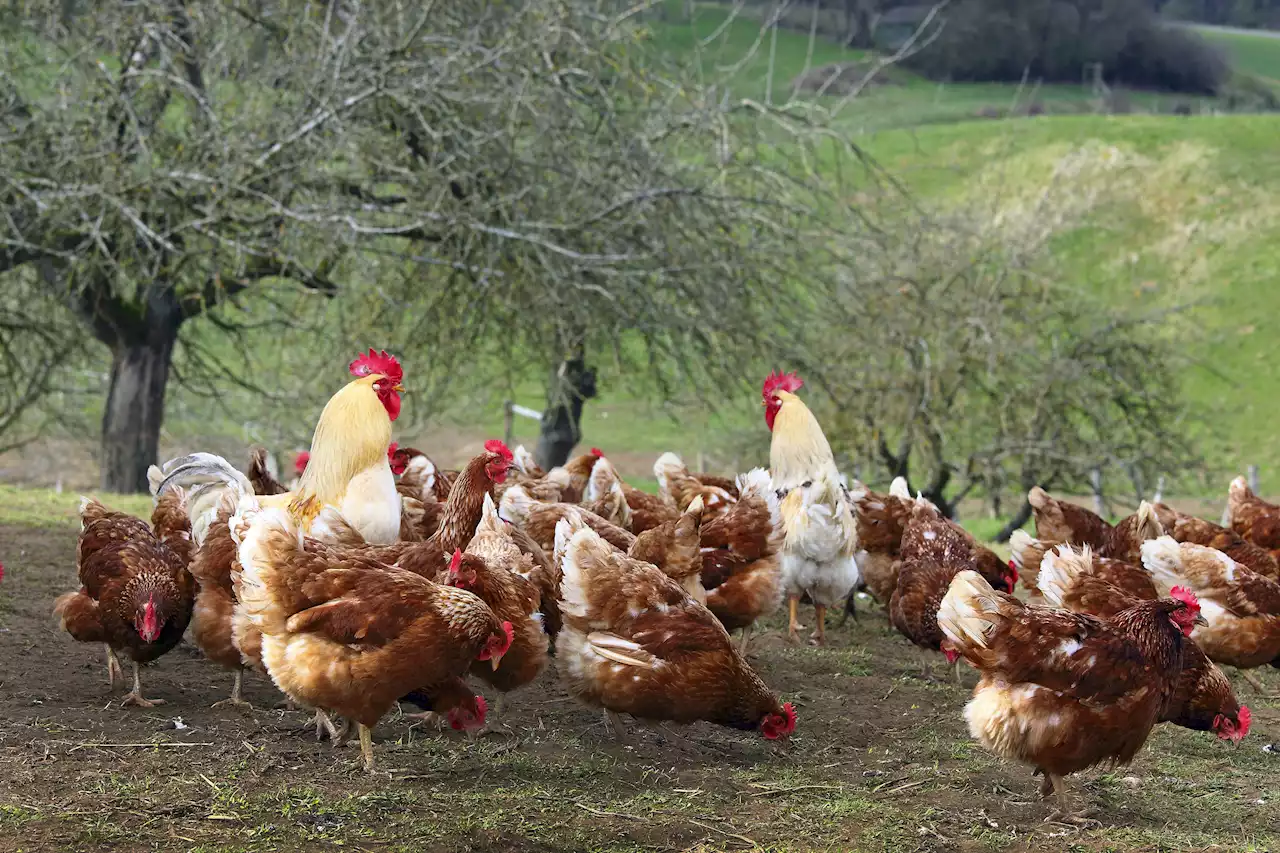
(881, 761)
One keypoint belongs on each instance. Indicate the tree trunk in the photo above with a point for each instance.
(1024, 513)
(572, 384)
(135, 410)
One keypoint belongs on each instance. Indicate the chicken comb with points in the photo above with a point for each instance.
(456, 562)
(597, 453)
(1186, 596)
(380, 362)
(779, 381)
(496, 445)
(790, 713)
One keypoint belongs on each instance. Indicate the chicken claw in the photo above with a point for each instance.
(235, 701)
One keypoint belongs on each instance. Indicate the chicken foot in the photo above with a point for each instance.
(1062, 813)
(113, 667)
(614, 724)
(1257, 685)
(337, 736)
(136, 697)
(235, 701)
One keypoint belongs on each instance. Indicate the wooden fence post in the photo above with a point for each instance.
(508, 421)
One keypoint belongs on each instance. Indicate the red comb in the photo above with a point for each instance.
(779, 381)
(511, 636)
(456, 562)
(1, 571)
(1186, 596)
(1244, 716)
(790, 713)
(377, 362)
(300, 461)
(597, 452)
(482, 708)
(496, 445)
(391, 449)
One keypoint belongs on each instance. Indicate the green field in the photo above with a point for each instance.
(1256, 54)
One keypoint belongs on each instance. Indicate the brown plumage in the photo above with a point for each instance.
(604, 495)
(539, 519)
(881, 518)
(260, 477)
(1241, 606)
(634, 642)
(345, 634)
(675, 549)
(495, 569)
(135, 592)
(1062, 521)
(1253, 518)
(933, 552)
(1064, 691)
(740, 555)
(1187, 528)
(545, 576)
(213, 617)
(1203, 699)
(647, 511)
(678, 488)
(458, 519)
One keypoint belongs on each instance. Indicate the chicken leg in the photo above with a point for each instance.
(793, 626)
(1054, 784)
(113, 667)
(235, 701)
(366, 747)
(613, 721)
(136, 697)
(819, 636)
(742, 643)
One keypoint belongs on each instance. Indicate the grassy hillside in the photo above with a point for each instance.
(1257, 54)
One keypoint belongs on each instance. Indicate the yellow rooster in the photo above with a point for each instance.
(821, 535)
(348, 467)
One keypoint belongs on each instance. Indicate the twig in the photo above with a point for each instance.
(770, 792)
(162, 744)
(587, 808)
(741, 838)
(907, 786)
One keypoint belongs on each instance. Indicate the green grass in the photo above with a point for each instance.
(47, 508)
(1255, 54)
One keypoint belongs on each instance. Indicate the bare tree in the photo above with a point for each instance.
(485, 186)
(963, 360)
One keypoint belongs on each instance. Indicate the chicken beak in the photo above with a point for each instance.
(399, 389)
(1200, 620)
(495, 661)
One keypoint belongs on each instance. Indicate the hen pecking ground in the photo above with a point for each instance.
(881, 761)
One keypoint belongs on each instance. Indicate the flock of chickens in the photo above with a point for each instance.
(376, 578)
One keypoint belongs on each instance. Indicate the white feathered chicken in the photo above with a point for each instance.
(821, 534)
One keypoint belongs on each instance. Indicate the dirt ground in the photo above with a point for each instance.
(880, 762)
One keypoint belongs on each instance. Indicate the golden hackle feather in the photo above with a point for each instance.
(351, 436)
(799, 450)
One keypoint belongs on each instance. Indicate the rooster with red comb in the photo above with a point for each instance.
(817, 516)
